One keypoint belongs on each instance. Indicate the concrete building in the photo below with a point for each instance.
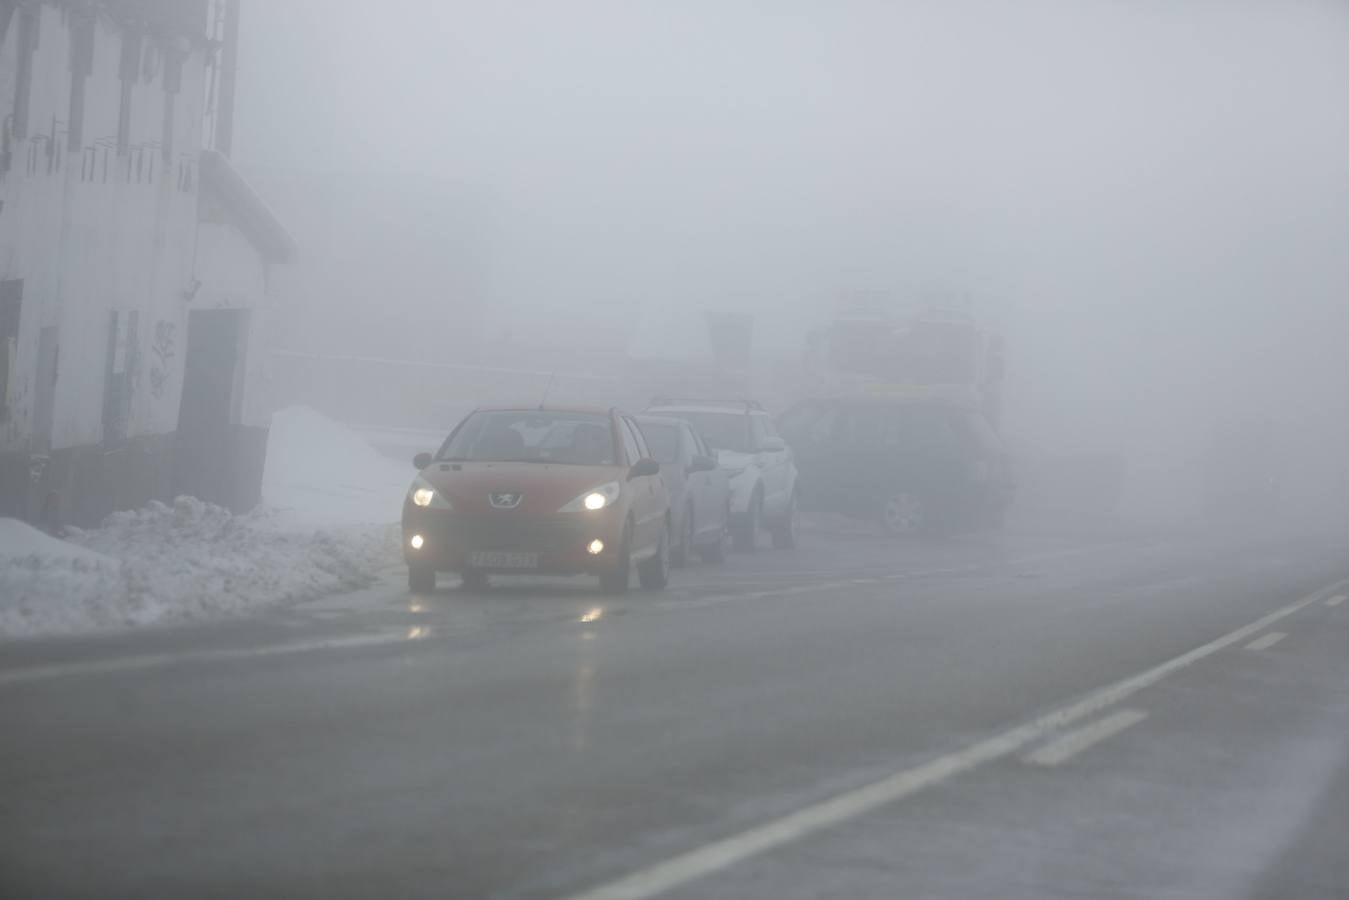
(134, 261)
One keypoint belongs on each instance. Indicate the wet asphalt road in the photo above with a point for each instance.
(859, 718)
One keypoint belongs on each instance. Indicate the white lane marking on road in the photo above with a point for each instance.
(1266, 641)
(719, 599)
(1065, 748)
(1336, 600)
(695, 864)
(154, 660)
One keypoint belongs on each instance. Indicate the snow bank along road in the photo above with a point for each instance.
(994, 717)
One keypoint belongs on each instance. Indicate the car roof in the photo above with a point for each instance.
(550, 408)
(737, 409)
(697, 404)
(661, 420)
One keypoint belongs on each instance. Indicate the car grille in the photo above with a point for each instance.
(505, 534)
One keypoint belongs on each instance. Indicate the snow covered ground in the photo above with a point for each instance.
(327, 523)
(319, 472)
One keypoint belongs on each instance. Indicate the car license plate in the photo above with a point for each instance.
(497, 559)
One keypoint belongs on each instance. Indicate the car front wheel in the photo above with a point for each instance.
(903, 513)
(716, 552)
(683, 552)
(746, 533)
(615, 581)
(654, 572)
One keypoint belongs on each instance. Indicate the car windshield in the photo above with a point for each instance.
(532, 436)
(662, 440)
(722, 430)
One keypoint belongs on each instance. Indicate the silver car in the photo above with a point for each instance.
(756, 460)
(698, 488)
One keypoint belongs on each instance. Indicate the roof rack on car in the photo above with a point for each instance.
(750, 405)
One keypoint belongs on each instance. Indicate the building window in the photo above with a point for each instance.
(81, 66)
(129, 71)
(173, 83)
(27, 36)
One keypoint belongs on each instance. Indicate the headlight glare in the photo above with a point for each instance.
(425, 496)
(595, 499)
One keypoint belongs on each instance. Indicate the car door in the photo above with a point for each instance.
(783, 462)
(720, 499)
(812, 430)
(763, 461)
(678, 483)
(773, 456)
(648, 491)
(699, 485)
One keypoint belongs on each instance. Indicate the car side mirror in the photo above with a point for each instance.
(772, 444)
(701, 463)
(421, 460)
(643, 468)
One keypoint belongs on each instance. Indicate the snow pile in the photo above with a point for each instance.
(21, 541)
(184, 562)
(327, 524)
(61, 582)
(321, 472)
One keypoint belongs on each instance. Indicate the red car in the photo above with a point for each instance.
(558, 491)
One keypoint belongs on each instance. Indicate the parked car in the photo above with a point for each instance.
(699, 491)
(550, 491)
(757, 462)
(917, 459)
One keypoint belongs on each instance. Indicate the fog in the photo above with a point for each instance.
(1150, 200)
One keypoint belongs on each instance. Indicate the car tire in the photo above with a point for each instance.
(716, 552)
(784, 533)
(654, 573)
(421, 579)
(680, 555)
(473, 580)
(745, 535)
(616, 581)
(904, 514)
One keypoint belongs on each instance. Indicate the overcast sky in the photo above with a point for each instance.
(1153, 196)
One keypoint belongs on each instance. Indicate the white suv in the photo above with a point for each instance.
(757, 462)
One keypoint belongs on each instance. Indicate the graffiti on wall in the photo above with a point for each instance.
(163, 350)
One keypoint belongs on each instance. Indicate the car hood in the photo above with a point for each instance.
(543, 487)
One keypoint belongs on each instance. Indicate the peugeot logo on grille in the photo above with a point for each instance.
(505, 501)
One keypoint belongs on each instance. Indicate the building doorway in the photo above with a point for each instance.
(211, 405)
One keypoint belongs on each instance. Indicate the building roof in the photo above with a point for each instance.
(226, 196)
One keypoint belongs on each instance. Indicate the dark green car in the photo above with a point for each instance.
(917, 460)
